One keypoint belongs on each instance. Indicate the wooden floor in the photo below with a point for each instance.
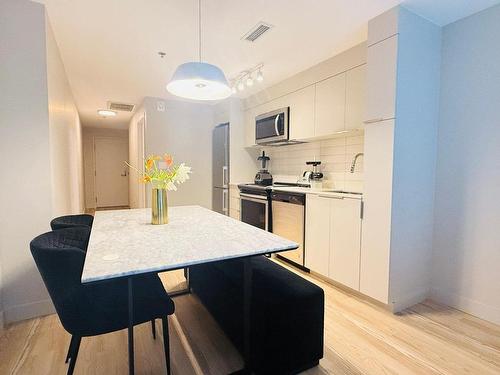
(360, 338)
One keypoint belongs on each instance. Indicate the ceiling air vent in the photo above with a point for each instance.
(257, 31)
(124, 107)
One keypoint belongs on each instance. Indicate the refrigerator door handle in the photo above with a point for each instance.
(224, 176)
(224, 201)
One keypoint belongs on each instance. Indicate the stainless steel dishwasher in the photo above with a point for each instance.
(288, 211)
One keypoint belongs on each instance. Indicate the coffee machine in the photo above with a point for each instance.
(263, 177)
(313, 178)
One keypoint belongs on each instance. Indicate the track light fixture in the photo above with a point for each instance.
(246, 78)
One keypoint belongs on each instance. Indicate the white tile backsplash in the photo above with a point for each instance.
(336, 155)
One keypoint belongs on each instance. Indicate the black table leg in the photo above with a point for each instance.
(130, 328)
(247, 301)
(247, 304)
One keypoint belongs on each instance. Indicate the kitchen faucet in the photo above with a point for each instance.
(353, 165)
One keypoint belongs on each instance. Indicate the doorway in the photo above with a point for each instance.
(111, 173)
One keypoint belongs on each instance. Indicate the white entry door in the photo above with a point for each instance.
(111, 175)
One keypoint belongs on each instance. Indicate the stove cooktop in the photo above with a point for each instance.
(270, 187)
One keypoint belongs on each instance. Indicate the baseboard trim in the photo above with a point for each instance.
(28, 311)
(467, 305)
(409, 300)
(354, 292)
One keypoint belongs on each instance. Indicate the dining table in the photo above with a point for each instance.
(124, 244)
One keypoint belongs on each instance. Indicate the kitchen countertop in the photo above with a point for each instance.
(124, 242)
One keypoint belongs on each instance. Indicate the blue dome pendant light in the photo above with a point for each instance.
(199, 80)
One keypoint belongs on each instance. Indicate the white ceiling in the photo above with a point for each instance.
(109, 47)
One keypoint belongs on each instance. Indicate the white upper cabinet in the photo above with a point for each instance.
(381, 80)
(383, 26)
(355, 97)
(317, 234)
(249, 119)
(330, 106)
(301, 104)
(319, 110)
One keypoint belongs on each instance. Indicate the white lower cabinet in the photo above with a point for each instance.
(333, 238)
(317, 234)
(345, 241)
(378, 185)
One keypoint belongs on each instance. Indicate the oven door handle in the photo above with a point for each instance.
(252, 197)
(276, 124)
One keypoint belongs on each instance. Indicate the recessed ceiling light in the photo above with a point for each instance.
(106, 113)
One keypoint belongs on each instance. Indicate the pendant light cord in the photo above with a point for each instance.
(199, 29)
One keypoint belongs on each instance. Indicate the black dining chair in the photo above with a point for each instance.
(82, 220)
(70, 221)
(98, 308)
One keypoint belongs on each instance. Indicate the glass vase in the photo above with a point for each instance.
(159, 206)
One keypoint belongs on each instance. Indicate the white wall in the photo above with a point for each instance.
(414, 159)
(467, 207)
(40, 144)
(183, 130)
(88, 135)
(1, 303)
(65, 136)
(25, 191)
(137, 198)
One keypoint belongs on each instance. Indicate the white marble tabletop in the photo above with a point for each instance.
(124, 242)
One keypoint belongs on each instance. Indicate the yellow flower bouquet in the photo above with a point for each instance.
(163, 175)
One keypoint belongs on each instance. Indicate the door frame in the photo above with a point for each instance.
(94, 166)
(141, 155)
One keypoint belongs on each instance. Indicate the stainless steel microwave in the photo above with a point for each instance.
(272, 127)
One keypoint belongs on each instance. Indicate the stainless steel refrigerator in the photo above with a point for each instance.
(220, 169)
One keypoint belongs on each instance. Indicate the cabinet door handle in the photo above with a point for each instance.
(373, 120)
(330, 196)
(224, 176)
(224, 201)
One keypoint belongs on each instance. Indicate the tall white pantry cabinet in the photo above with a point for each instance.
(401, 116)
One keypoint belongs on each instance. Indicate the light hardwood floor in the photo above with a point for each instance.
(360, 338)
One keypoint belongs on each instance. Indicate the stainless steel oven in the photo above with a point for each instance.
(272, 127)
(255, 206)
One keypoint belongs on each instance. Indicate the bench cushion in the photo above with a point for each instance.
(287, 312)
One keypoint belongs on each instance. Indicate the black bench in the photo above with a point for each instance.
(287, 313)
